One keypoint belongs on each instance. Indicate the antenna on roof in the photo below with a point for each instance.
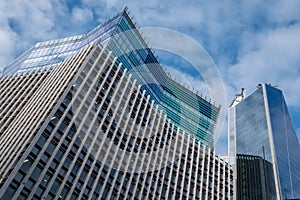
(241, 94)
(258, 85)
(238, 98)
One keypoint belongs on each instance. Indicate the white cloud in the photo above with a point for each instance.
(276, 60)
(33, 19)
(8, 40)
(22, 24)
(82, 14)
(112, 3)
(250, 41)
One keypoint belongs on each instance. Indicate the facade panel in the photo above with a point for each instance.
(76, 122)
(104, 138)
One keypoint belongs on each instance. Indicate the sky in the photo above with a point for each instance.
(250, 42)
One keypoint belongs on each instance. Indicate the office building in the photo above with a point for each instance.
(120, 35)
(75, 124)
(263, 146)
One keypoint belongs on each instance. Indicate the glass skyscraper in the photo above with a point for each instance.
(120, 35)
(263, 146)
(75, 123)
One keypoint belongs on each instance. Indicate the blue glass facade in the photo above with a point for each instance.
(260, 125)
(286, 144)
(185, 108)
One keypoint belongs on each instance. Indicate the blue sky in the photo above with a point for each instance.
(250, 41)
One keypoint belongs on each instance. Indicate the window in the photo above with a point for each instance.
(19, 177)
(55, 185)
(26, 165)
(36, 172)
(41, 141)
(9, 193)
